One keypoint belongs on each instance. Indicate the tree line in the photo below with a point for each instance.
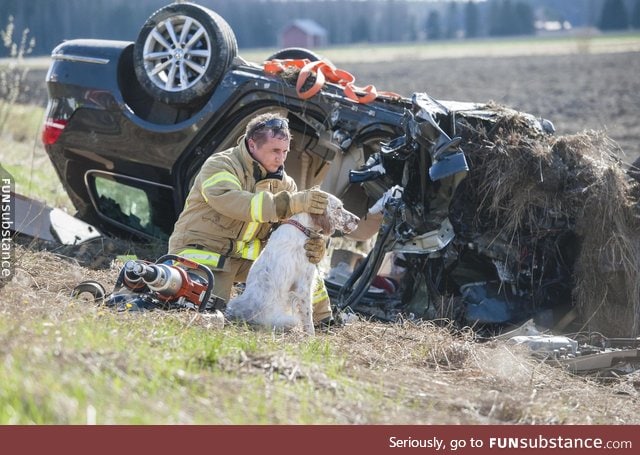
(258, 23)
(616, 15)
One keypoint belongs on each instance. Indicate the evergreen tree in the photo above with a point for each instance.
(495, 22)
(614, 16)
(524, 19)
(360, 32)
(412, 34)
(452, 20)
(434, 29)
(471, 23)
(507, 18)
(509, 25)
(635, 15)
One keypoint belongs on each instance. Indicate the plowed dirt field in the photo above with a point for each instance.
(576, 92)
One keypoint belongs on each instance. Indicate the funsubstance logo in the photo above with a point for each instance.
(6, 226)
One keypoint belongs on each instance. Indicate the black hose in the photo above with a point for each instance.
(368, 268)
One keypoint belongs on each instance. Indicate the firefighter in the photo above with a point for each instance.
(235, 198)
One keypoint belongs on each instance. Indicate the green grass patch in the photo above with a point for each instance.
(24, 157)
(24, 123)
(143, 368)
(41, 183)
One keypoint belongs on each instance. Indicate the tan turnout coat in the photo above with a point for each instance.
(230, 208)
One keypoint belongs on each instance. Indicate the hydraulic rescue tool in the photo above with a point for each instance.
(172, 282)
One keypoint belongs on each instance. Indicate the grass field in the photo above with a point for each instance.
(64, 361)
(582, 42)
(23, 156)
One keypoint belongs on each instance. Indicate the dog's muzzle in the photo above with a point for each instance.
(351, 224)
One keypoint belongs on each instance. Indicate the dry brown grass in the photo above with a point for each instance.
(461, 381)
(402, 373)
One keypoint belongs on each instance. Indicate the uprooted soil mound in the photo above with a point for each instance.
(557, 193)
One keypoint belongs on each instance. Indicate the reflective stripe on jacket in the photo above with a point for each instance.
(208, 258)
(230, 208)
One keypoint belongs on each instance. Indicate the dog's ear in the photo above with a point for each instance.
(323, 223)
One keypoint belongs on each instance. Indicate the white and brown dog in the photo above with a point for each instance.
(280, 282)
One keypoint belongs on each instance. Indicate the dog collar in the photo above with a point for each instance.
(305, 230)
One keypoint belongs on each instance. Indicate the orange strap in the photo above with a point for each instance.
(325, 72)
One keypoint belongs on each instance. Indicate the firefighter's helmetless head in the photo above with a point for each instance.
(268, 139)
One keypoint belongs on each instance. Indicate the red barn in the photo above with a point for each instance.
(303, 33)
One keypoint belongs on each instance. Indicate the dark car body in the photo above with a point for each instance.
(110, 130)
(108, 136)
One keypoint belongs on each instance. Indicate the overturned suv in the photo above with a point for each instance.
(129, 124)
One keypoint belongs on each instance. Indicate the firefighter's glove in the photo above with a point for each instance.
(315, 247)
(310, 201)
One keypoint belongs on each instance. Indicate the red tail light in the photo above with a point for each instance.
(52, 131)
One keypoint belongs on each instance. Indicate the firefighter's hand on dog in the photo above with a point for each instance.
(311, 201)
(315, 248)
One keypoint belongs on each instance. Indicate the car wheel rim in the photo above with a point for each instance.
(177, 53)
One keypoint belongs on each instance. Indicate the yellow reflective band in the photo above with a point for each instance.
(250, 231)
(256, 216)
(207, 258)
(320, 298)
(256, 207)
(248, 250)
(221, 177)
(217, 178)
(320, 294)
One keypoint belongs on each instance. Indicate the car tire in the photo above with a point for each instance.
(295, 53)
(182, 52)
